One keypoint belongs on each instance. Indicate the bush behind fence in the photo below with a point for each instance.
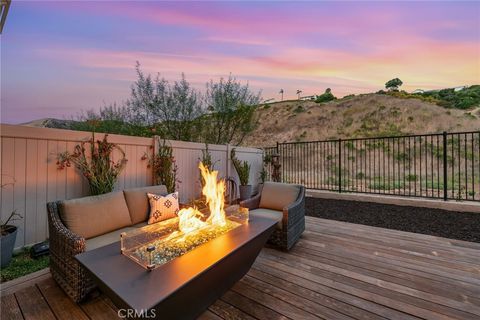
(444, 165)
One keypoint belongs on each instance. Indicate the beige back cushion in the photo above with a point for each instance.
(137, 201)
(93, 216)
(276, 195)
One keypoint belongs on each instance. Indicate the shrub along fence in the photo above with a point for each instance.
(442, 166)
(30, 176)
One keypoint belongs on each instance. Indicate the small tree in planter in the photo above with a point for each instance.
(164, 167)
(243, 171)
(263, 177)
(207, 161)
(96, 164)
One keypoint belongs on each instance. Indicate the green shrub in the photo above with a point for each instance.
(349, 145)
(299, 109)
(411, 177)
(463, 99)
(360, 175)
(325, 97)
(379, 184)
(402, 156)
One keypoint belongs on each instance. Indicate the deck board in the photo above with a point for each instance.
(337, 270)
(10, 308)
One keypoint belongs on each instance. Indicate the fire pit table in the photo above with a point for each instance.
(184, 286)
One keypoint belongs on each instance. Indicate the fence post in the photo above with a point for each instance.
(227, 166)
(340, 165)
(154, 152)
(445, 171)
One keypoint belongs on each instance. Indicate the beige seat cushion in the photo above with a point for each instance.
(93, 216)
(137, 201)
(277, 196)
(111, 237)
(267, 213)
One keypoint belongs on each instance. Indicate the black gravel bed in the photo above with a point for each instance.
(442, 223)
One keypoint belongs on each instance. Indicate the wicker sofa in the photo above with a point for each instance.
(285, 203)
(83, 224)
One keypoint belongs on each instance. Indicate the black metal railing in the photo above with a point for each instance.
(443, 166)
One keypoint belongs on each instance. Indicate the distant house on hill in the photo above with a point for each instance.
(307, 98)
(460, 88)
(456, 89)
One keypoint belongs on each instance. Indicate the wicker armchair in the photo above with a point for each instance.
(64, 245)
(292, 217)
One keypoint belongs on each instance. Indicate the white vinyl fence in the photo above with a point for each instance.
(30, 177)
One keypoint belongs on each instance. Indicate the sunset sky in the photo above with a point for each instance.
(58, 58)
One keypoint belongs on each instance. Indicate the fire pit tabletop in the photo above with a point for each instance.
(200, 276)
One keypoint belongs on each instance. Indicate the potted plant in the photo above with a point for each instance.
(164, 167)
(8, 237)
(207, 161)
(263, 178)
(243, 171)
(96, 164)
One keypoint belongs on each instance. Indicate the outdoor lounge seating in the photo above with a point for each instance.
(285, 203)
(92, 222)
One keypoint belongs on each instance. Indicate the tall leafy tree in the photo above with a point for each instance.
(224, 114)
(148, 99)
(172, 108)
(184, 108)
(393, 84)
(230, 109)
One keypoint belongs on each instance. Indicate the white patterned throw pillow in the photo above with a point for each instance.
(162, 207)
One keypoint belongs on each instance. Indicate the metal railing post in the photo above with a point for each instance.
(445, 167)
(339, 165)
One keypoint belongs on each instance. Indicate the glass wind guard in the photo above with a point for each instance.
(159, 243)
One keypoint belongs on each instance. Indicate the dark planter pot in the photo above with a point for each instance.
(260, 188)
(245, 192)
(7, 243)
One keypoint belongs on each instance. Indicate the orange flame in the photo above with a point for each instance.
(190, 218)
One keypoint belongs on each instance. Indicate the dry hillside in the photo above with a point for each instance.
(359, 116)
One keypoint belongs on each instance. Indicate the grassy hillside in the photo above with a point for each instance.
(358, 116)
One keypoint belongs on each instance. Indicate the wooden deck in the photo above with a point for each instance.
(336, 271)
